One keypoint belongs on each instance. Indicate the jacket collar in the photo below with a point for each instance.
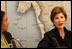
(57, 32)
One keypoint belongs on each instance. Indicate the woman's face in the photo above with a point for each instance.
(59, 21)
(4, 25)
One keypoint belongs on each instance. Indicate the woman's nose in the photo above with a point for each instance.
(60, 19)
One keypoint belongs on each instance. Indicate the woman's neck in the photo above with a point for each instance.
(62, 33)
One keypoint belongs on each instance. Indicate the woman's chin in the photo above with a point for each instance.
(6, 29)
(61, 27)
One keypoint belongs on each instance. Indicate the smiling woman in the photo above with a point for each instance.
(58, 37)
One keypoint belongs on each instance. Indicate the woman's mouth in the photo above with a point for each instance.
(60, 24)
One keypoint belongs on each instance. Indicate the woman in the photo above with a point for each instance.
(59, 37)
(5, 36)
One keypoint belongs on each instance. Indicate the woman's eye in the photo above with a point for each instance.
(61, 17)
(56, 18)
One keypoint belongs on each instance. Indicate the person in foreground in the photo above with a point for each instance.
(59, 37)
(6, 37)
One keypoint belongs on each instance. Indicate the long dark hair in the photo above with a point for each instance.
(2, 15)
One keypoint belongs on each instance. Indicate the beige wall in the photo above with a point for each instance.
(3, 5)
(46, 10)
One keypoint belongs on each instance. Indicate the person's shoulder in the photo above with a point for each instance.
(50, 33)
(7, 33)
(8, 36)
(68, 31)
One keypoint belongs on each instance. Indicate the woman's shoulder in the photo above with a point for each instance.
(6, 33)
(8, 36)
(67, 31)
(50, 33)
